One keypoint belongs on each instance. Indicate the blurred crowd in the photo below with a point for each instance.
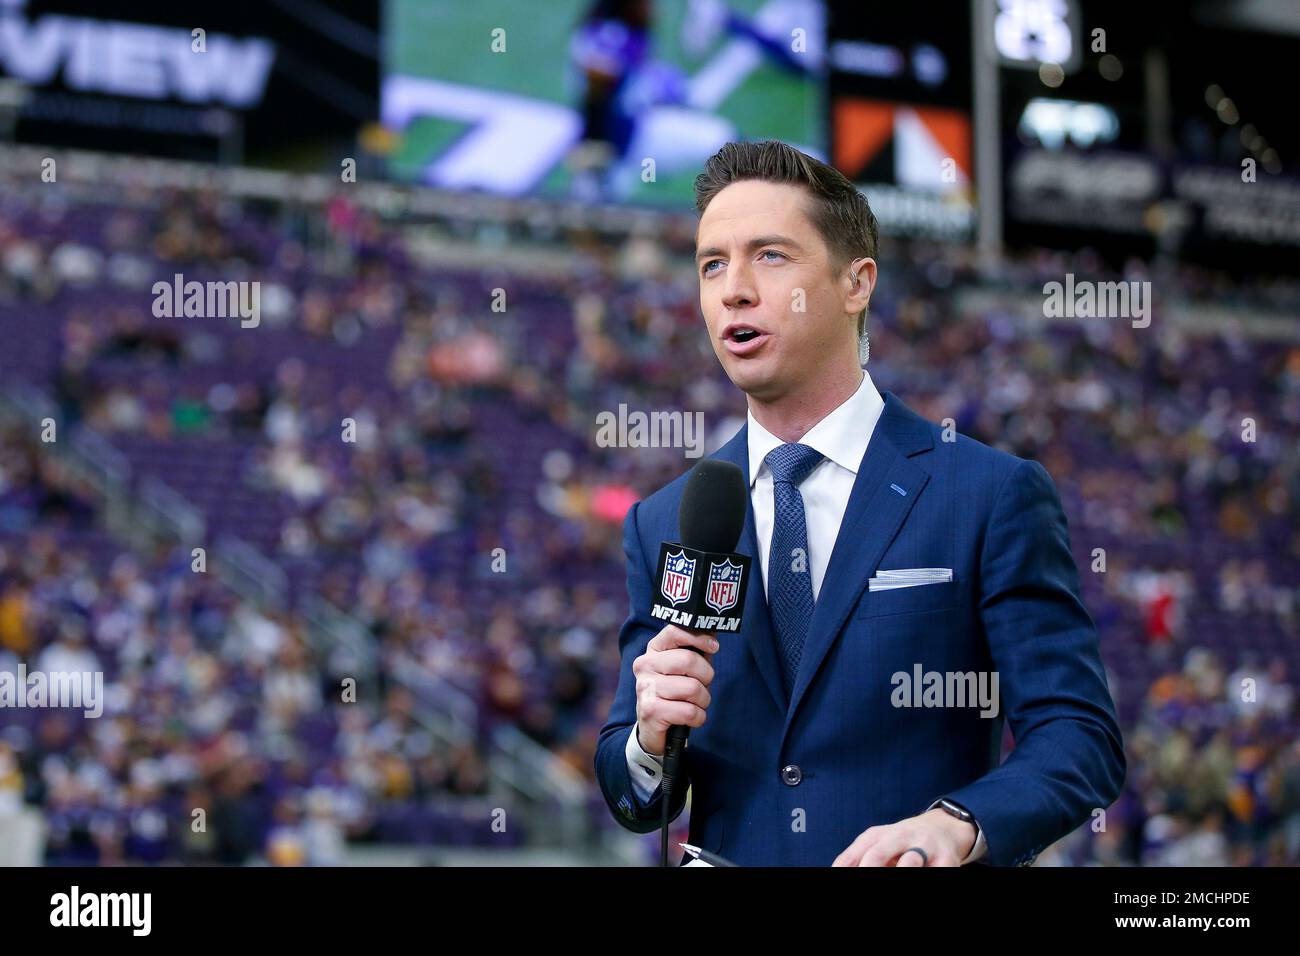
(472, 524)
(220, 739)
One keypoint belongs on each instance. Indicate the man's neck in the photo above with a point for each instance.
(793, 415)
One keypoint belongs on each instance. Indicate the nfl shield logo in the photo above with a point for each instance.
(679, 572)
(724, 585)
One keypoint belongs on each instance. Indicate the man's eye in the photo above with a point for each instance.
(708, 266)
(773, 252)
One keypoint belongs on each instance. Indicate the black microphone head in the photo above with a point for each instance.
(711, 514)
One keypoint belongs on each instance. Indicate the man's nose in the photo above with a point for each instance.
(740, 290)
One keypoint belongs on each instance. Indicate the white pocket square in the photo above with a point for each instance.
(908, 578)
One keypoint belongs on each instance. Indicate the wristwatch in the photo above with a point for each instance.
(961, 813)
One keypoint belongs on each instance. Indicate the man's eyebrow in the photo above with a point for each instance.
(756, 243)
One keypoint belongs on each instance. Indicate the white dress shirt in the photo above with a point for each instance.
(842, 438)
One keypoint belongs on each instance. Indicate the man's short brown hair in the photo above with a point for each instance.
(839, 211)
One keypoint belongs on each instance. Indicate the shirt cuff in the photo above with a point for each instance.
(981, 846)
(645, 769)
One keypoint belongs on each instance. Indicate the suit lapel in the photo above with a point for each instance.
(875, 513)
(760, 638)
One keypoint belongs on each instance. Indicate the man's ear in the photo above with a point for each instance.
(862, 282)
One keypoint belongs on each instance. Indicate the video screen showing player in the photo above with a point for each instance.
(612, 100)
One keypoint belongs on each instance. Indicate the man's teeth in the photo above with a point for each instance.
(743, 335)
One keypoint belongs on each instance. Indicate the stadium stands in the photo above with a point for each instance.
(474, 432)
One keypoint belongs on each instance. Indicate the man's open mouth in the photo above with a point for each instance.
(741, 333)
(744, 339)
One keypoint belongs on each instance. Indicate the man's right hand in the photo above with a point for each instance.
(672, 684)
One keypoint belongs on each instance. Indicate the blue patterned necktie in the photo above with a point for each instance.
(789, 591)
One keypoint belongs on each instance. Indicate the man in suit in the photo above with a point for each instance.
(851, 722)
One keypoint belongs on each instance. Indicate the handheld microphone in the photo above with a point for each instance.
(711, 514)
(701, 581)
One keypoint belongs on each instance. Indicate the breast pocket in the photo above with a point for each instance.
(940, 596)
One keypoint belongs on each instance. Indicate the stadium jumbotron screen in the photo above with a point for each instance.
(577, 104)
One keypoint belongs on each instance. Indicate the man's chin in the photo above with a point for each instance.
(757, 380)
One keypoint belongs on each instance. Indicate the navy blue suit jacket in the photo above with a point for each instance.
(1012, 607)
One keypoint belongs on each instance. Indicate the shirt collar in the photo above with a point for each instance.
(841, 436)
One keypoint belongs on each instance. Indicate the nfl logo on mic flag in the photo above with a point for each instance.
(678, 576)
(724, 585)
(697, 588)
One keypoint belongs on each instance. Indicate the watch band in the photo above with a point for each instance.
(957, 810)
(961, 813)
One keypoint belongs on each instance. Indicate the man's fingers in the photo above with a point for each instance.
(673, 636)
(889, 846)
(680, 661)
(853, 852)
(891, 843)
(676, 713)
(672, 687)
(672, 678)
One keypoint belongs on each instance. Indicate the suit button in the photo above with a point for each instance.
(791, 775)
